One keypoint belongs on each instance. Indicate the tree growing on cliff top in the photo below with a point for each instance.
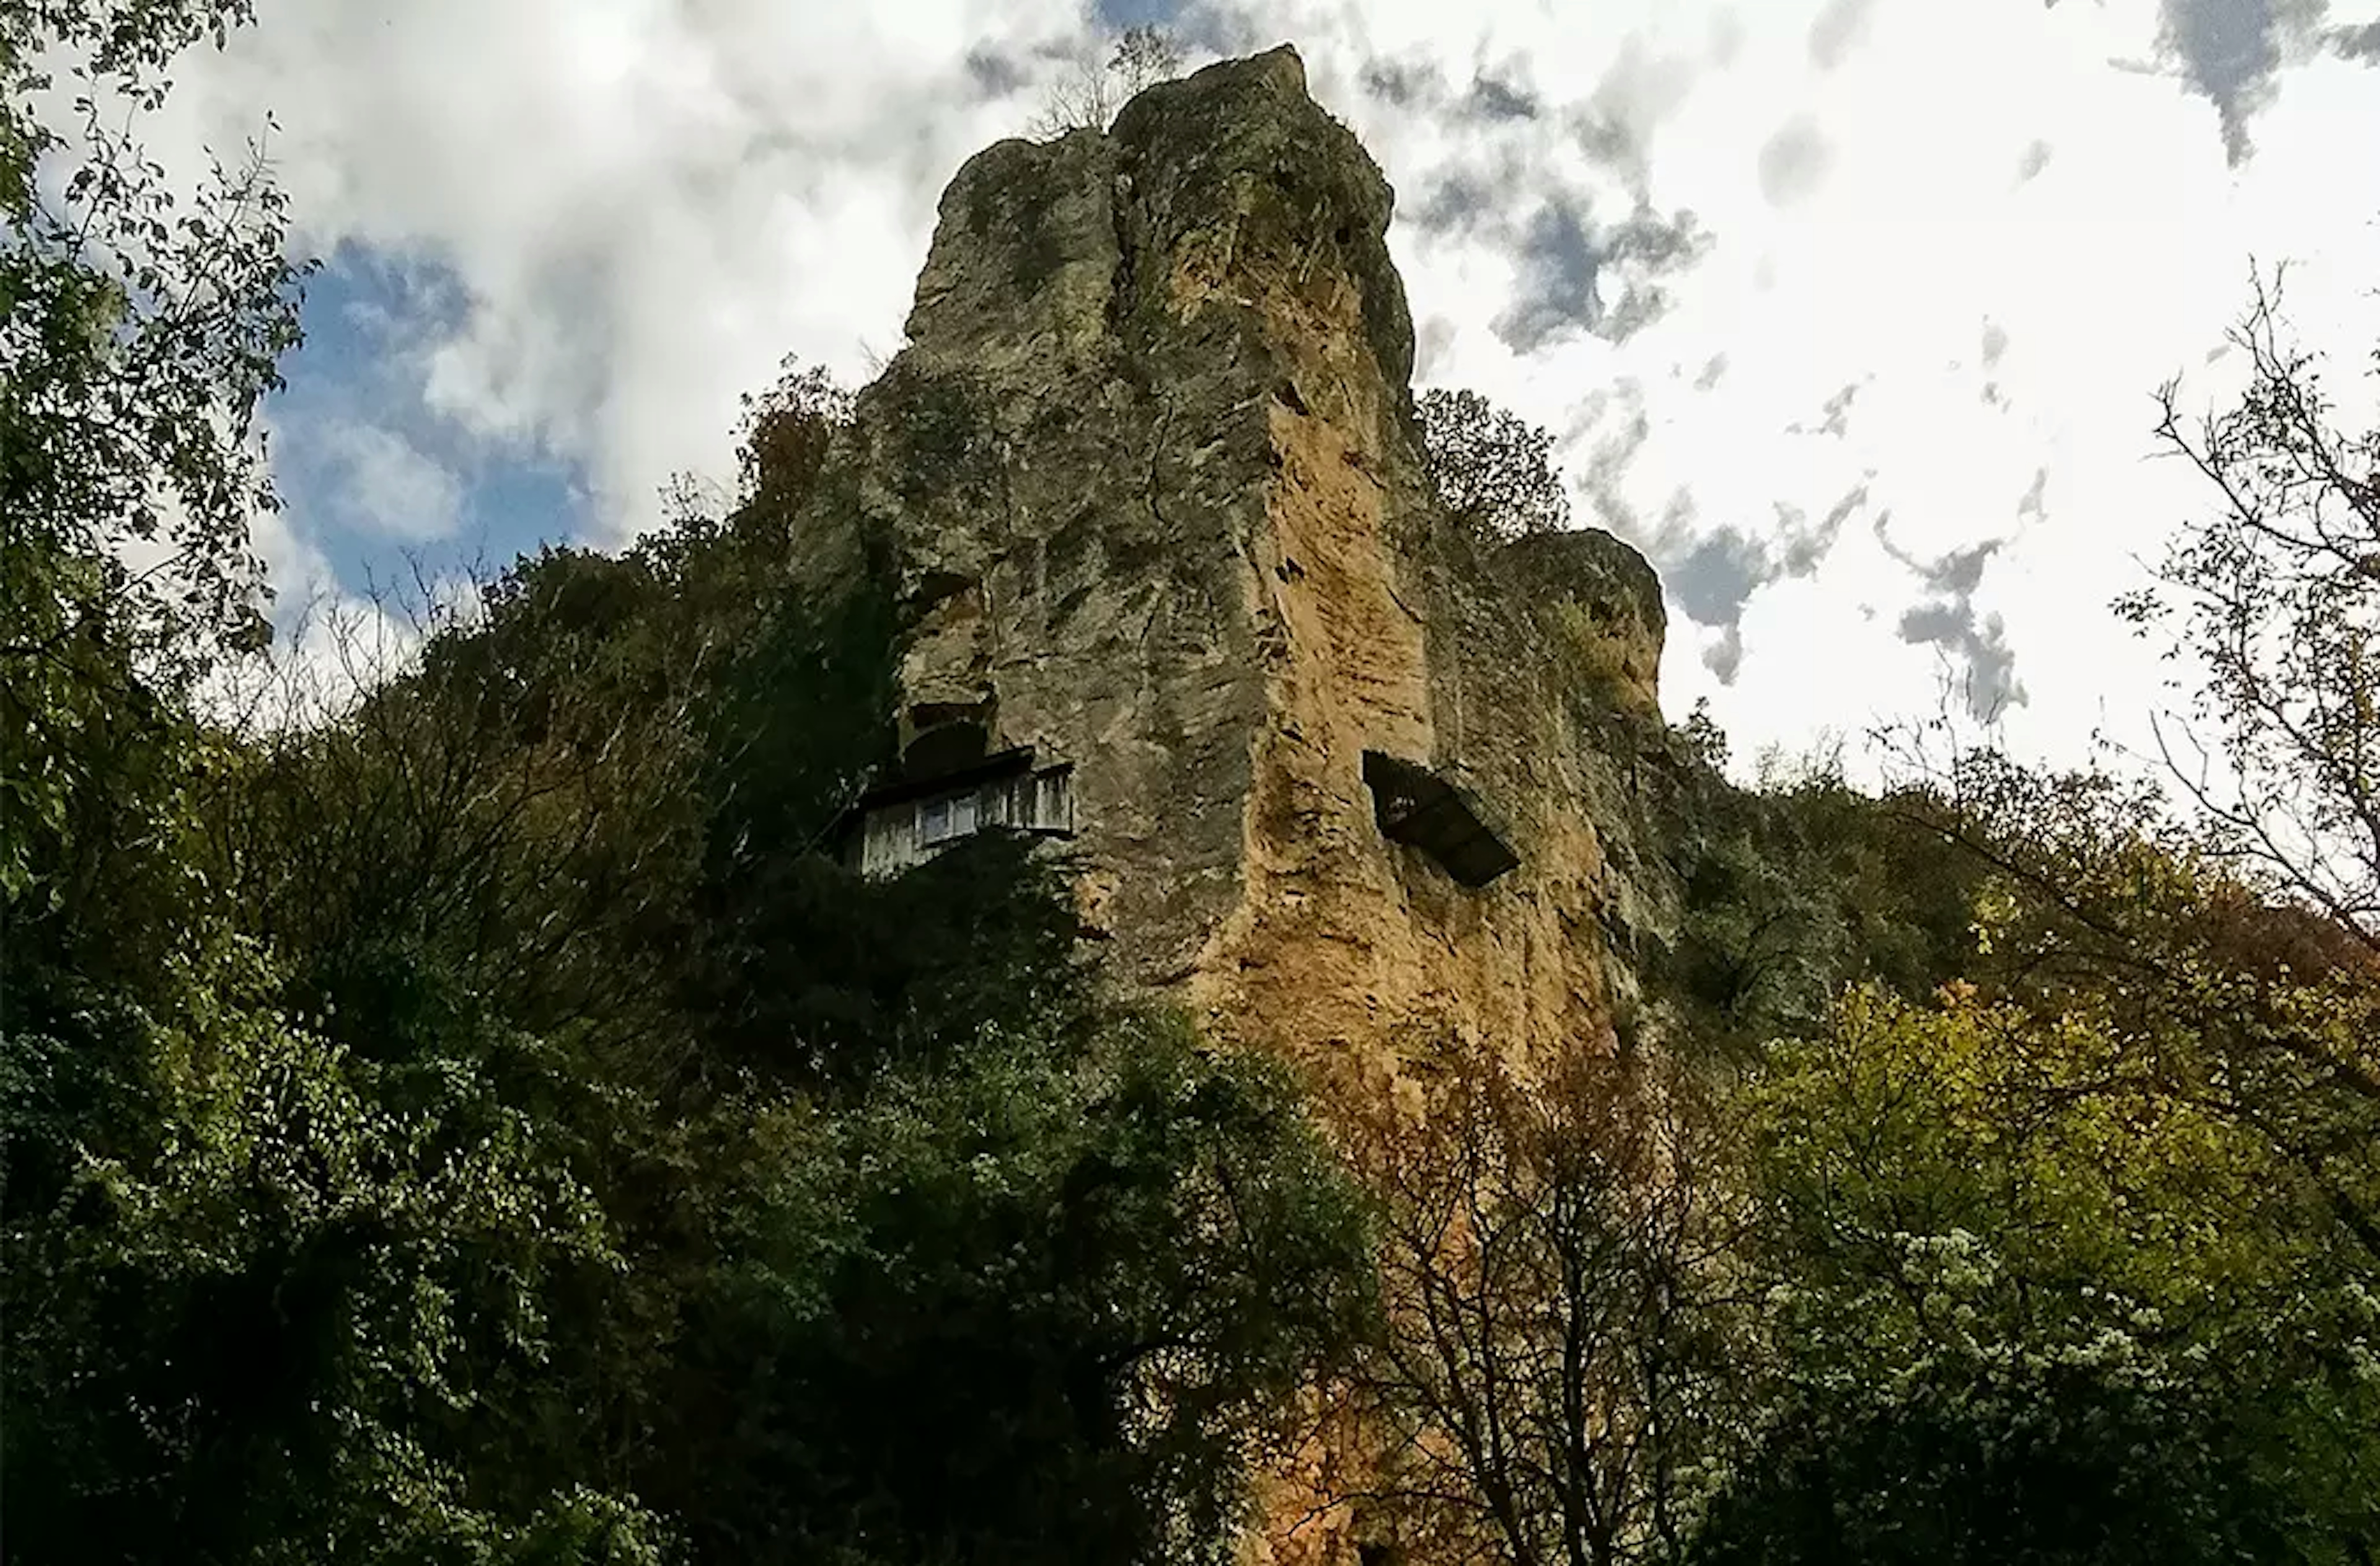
(1092, 92)
(1491, 468)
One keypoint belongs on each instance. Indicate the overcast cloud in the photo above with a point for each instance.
(1848, 311)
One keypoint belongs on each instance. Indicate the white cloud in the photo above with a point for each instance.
(649, 204)
(382, 483)
(2000, 238)
(1962, 185)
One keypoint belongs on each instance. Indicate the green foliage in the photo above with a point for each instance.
(1798, 888)
(2066, 1454)
(2029, 1307)
(2258, 1011)
(1489, 467)
(135, 342)
(482, 1125)
(817, 975)
(1033, 1305)
(256, 1284)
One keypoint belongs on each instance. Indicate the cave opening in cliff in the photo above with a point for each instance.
(1415, 806)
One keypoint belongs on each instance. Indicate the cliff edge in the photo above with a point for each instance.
(1344, 777)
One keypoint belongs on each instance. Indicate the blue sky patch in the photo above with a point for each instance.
(373, 476)
(1120, 14)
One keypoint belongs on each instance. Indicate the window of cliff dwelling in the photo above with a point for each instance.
(1415, 806)
(909, 822)
(938, 821)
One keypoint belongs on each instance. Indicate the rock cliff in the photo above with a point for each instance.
(1146, 476)
(1149, 476)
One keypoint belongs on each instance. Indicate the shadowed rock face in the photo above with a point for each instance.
(1147, 478)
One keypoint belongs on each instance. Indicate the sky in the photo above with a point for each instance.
(1849, 313)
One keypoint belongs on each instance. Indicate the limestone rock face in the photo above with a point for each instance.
(1148, 481)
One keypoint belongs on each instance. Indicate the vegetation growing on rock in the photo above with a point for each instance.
(477, 1123)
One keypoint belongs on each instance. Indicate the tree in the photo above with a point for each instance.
(2100, 903)
(784, 438)
(2030, 1304)
(138, 343)
(1037, 1301)
(1550, 1255)
(1092, 92)
(476, 1121)
(2226, 935)
(534, 805)
(2277, 597)
(1489, 467)
(2087, 1250)
(135, 342)
(1790, 890)
(268, 1295)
